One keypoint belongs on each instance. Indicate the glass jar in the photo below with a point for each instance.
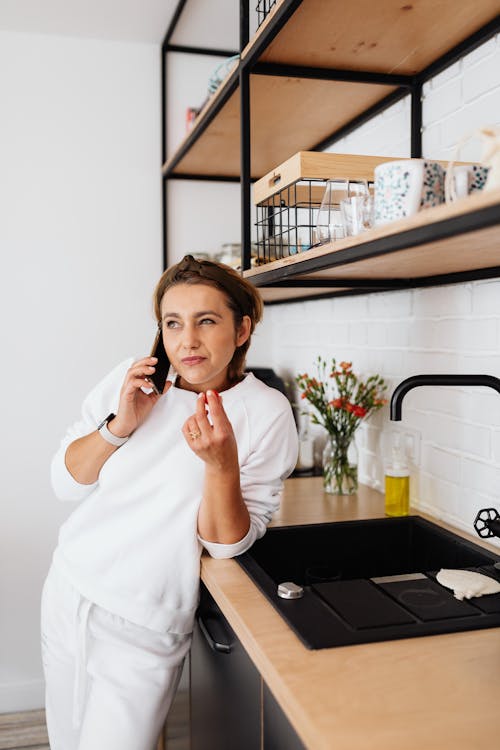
(230, 255)
(340, 466)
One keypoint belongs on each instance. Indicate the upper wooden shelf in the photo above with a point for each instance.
(380, 37)
(275, 103)
(291, 113)
(438, 245)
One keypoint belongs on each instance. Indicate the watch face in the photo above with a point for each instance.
(106, 420)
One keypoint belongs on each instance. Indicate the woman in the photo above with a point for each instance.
(161, 478)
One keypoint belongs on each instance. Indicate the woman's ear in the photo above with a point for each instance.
(244, 330)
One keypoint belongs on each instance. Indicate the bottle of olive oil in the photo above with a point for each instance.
(397, 482)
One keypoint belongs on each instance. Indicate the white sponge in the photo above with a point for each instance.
(466, 584)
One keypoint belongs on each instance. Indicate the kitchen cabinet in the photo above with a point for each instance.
(278, 732)
(231, 707)
(225, 685)
(312, 73)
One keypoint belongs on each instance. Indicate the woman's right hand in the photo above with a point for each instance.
(135, 405)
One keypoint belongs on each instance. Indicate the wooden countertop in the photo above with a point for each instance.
(437, 692)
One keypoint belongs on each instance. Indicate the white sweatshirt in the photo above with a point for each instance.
(132, 545)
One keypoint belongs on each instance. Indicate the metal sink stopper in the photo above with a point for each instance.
(487, 522)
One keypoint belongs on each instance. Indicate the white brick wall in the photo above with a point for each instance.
(442, 329)
(461, 98)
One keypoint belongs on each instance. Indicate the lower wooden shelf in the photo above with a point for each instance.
(445, 244)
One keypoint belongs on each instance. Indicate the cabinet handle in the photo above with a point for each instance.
(217, 636)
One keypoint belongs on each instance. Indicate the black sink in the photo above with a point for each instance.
(367, 581)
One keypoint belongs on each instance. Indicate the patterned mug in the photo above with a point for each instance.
(463, 179)
(405, 186)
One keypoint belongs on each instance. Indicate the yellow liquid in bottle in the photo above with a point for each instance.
(397, 496)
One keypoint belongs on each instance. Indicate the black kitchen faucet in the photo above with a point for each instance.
(487, 521)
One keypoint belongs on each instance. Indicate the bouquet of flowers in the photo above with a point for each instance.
(340, 400)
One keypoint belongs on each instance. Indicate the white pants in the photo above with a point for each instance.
(109, 683)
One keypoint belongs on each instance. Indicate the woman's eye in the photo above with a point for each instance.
(206, 321)
(171, 323)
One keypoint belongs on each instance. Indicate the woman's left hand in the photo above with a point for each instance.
(213, 443)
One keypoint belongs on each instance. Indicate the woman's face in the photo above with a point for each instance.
(199, 335)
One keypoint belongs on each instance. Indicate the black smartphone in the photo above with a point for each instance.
(162, 367)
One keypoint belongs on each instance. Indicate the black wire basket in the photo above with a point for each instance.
(286, 221)
(290, 218)
(263, 9)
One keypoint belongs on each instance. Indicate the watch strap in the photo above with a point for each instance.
(107, 435)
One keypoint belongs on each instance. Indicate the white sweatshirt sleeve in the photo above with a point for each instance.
(102, 400)
(272, 459)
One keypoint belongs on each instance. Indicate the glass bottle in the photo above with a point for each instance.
(397, 482)
(305, 461)
(329, 224)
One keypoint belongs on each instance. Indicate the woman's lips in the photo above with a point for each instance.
(193, 360)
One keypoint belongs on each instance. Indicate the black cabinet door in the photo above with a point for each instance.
(225, 685)
(278, 732)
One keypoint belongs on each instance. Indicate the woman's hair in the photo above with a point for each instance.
(242, 297)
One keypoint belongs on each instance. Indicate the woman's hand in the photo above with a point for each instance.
(86, 456)
(223, 516)
(213, 443)
(135, 405)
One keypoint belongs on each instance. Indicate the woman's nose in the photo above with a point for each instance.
(190, 338)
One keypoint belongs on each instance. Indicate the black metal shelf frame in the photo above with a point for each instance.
(240, 79)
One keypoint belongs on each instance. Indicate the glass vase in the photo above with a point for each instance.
(340, 466)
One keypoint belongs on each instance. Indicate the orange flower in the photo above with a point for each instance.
(345, 366)
(337, 403)
(359, 411)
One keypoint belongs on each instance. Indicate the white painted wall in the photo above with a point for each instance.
(450, 329)
(80, 239)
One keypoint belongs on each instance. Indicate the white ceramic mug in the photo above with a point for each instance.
(405, 186)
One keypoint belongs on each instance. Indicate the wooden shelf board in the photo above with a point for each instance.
(276, 101)
(230, 122)
(384, 37)
(470, 251)
(217, 150)
(281, 294)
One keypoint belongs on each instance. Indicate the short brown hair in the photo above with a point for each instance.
(242, 297)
